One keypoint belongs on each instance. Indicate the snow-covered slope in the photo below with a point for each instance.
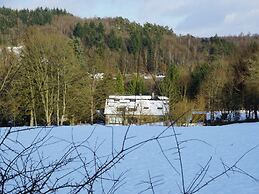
(222, 143)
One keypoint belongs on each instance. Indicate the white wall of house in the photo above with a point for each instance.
(135, 106)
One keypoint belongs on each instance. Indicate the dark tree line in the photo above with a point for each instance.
(13, 22)
(10, 18)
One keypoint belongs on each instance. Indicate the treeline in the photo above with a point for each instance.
(135, 48)
(55, 79)
(13, 22)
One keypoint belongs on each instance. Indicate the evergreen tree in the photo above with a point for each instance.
(136, 86)
(197, 77)
(78, 30)
(170, 86)
(120, 89)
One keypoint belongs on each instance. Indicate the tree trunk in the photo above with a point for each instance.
(255, 112)
(32, 118)
(92, 101)
(64, 105)
(46, 108)
(58, 100)
(92, 111)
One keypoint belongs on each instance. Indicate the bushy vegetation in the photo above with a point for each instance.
(54, 80)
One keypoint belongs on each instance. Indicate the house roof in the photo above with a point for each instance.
(137, 105)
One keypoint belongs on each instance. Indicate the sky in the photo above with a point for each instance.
(202, 18)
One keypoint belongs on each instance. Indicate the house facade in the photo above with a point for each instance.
(140, 109)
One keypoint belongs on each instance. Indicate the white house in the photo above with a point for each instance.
(135, 109)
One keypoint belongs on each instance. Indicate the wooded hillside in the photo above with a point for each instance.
(52, 80)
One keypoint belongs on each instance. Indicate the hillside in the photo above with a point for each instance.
(217, 73)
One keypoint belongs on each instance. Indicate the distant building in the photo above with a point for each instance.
(16, 50)
(212, 117)
(97, 76)
(126, 110)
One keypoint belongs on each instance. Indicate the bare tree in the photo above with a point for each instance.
(151, 183)
(201, 179)
(25, 167)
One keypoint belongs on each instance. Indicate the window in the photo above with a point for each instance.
(112, 120)
(145, 107)
(121, 109)
(115, 120)
(160, 108)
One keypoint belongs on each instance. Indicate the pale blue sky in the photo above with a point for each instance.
(196, 17)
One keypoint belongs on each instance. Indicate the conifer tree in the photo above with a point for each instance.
(120, 89)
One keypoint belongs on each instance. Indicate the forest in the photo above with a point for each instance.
(52, 78)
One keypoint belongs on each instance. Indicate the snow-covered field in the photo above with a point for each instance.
(222, 143)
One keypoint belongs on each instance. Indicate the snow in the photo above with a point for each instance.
(227, 143)
(137, 105)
